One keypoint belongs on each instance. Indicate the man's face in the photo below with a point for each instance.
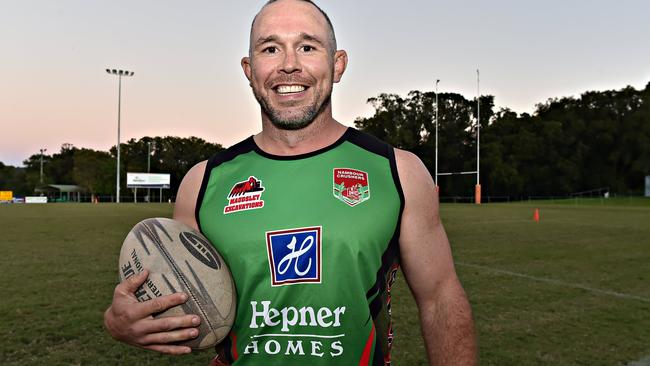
(292, 66)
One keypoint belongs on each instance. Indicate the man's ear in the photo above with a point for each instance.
(340, 64)
(246, 66)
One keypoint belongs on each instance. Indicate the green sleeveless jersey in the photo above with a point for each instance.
(312, 244)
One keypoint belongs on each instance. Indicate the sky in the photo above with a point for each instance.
(188, 80)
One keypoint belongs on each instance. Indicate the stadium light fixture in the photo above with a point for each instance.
(119, 74)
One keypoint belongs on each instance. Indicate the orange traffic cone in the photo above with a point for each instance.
(536, 215)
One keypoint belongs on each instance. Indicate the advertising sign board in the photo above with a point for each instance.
(147, 180)
(35, 199)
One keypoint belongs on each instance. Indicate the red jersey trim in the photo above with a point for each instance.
(365, 356)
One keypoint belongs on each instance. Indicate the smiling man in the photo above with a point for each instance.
(314, 220)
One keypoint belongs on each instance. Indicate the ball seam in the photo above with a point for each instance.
(181, 277)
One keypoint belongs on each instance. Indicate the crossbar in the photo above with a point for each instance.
(458, 173)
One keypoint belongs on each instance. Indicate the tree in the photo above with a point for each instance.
(94, 170)
(409, 123)
(173, 155)
(13, 179)
(601, 139)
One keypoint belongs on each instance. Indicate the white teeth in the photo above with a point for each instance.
(285, 89)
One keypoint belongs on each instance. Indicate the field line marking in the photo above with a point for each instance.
(556, 282)
(642, 362)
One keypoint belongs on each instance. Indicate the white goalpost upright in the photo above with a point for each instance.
(436, 170)
(477, 188)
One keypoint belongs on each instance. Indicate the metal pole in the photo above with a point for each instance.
(148, 168)
(119, 107)
(478, 127)
(42, 151)
(436, 171)
(119, 73)
(477, 189)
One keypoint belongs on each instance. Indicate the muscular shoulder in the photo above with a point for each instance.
(417, 183)
(410, 167)
(188, 193)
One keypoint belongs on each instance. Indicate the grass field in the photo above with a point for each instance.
(573, 289)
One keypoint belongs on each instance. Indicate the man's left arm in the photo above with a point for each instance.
(445, 313)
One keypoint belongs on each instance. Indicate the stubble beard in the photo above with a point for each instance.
(297, 120)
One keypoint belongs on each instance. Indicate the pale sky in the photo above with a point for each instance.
(188, 82)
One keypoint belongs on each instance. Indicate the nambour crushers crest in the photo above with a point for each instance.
(351, 186)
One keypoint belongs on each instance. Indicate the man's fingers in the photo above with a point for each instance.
(168, 349)
(160, 304)
(167, 324)
(170, 337)
(131, 284)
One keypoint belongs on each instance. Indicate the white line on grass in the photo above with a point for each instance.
(558, 283)
(641, 362)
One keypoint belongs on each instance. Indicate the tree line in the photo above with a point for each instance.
(568, 145)
(600, 139)
(95, 170)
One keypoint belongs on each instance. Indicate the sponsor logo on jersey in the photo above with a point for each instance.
(351, 186)
(244, 196)
(294, 255)
(295, 330)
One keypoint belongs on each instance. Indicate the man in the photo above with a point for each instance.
(312, 218)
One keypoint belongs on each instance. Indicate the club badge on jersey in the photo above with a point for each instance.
(244, 196)
(294, 255)
(351, 186)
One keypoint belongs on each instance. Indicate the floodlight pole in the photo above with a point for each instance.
(119, 74)
(42, 151)
(436, 171)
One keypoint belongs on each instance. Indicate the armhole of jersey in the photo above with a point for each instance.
(381, 148)
(375, 145)
(390, 257)
(204, 185)
(398, 186)
(214, 161)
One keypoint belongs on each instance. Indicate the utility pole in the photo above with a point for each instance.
(149, 144)
(119, 74)
(42, 151)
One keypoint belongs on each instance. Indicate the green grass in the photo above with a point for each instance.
(59, 265)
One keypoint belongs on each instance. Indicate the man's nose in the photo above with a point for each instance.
(290, 63)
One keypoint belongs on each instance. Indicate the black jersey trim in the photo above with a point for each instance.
(217, 159)
(390, 256)
(227, 349)
(336, 143)
(370, 143)
(378, 357)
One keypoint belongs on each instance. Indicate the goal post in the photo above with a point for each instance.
(477, 187)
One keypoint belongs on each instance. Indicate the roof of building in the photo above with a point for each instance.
(63, 188)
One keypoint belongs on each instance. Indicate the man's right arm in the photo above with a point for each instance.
(132, 322)
(188, 193)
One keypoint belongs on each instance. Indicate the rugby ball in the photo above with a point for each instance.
(181, 259)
